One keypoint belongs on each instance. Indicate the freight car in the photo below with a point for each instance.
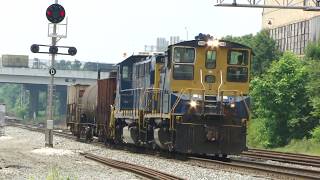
(193, 99)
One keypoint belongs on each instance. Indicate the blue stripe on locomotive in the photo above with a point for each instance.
(241, 111)
(182, 106)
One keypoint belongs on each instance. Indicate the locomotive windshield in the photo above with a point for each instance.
(184, 55)
(211, 59)
(183, 72)
(238, 57)
(237, 74)
(184, 58)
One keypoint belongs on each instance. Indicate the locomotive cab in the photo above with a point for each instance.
(208, 105)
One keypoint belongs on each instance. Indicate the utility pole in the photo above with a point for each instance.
(187, 32)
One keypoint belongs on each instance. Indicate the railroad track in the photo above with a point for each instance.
(251, 166)
(140, 170)
(42, 130)
(263, 169)
(299, 159)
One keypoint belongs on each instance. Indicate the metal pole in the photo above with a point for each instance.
(49, 130)
(186, 32)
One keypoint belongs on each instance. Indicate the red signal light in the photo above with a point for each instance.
(62, 13)
(49, 13)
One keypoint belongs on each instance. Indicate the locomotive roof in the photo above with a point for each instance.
(194, 43)
(133, 59)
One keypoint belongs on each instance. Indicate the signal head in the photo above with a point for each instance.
(55, 13)
(72, 51)
(34, 48)
(53, 50)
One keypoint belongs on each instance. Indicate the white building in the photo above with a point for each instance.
(291, 29)
(162, 44)
(174, 39)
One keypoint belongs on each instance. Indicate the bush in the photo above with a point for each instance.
(280, 104)
(316, 134)
(303, 146)
(257, 134)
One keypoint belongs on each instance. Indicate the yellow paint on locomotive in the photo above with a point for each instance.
(228, 88)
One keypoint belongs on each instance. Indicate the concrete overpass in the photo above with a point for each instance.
(41, 76)
(36, 81)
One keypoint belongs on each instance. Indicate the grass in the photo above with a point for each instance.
(304, 146)
(54, 174)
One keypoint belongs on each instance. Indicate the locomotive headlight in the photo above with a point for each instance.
(195, 95)
(232, 105)
(193, 104)
(213, 43)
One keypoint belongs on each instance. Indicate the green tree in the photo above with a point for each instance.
(316, 134)
(312, 56)
(76, 65)
(63, 65)
(10, 94)
(312, 51)
(281, 105)
(313, 86)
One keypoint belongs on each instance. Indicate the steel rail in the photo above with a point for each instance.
(140, 170)
(246, 165)
(282, 158)
(288, 154)
(275, 171)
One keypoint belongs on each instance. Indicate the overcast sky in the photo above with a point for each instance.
(102, 30)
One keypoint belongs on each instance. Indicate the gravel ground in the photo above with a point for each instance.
(22, 156)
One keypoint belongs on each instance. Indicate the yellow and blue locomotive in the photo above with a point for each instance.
(192, 99)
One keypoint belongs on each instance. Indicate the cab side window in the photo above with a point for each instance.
(125, 72)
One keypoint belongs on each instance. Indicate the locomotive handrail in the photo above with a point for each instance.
(144, 96)
(124, 90)
(132, 93)
(201, 79)
(151, 90)
(181, 93)
(178, 100)
(246, 105)
(221, 82)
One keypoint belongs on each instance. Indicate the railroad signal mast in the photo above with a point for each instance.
(306, 5)
(55, 14)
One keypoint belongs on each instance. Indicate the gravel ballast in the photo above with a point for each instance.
(23, 156)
